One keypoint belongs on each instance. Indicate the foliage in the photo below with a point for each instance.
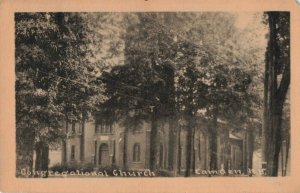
(72, 167)
(135, 67)
(142, 83)
(55, 75)
(169, 74)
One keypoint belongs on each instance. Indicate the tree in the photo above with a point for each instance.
(235, 80)
(204, 75)
(53, 81)
(276, 85)
(34, 105)
(142, 87)
(174, 65)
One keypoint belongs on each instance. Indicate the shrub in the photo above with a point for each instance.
(58, 168)
(108, 169)
(164, 173)
(87, 167)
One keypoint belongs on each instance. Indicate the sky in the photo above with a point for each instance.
(243, 19)
(252, 20)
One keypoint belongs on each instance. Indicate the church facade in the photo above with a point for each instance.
(103, 145)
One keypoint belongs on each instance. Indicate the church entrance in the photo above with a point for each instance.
(103, 155)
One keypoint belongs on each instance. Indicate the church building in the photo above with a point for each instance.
(104, 145)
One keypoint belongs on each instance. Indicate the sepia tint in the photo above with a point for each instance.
(152, 94)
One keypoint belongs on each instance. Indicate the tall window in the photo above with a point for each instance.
(103, 127)
(136, 152)
(73, 152)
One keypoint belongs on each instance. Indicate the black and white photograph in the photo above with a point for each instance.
(152, 94)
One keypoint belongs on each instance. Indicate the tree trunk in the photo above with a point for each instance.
(226, 151)
(153, 141)
(173, 121)
(250, 147)
(42, 157)
(64, 144)
(274, 98)
(171, 112)
(24, 149)
(125, 147)
(64, 151)
(213, 141)
(179, 151)
(287, 156)
(82, 139)
(189, 148)
(270, 91)
(206, 156)
(25, 159)
(275, 141)
(173, 143)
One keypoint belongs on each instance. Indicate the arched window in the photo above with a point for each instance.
(136, 152)
(103, 155)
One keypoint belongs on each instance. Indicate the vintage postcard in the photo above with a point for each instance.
(147, 96)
